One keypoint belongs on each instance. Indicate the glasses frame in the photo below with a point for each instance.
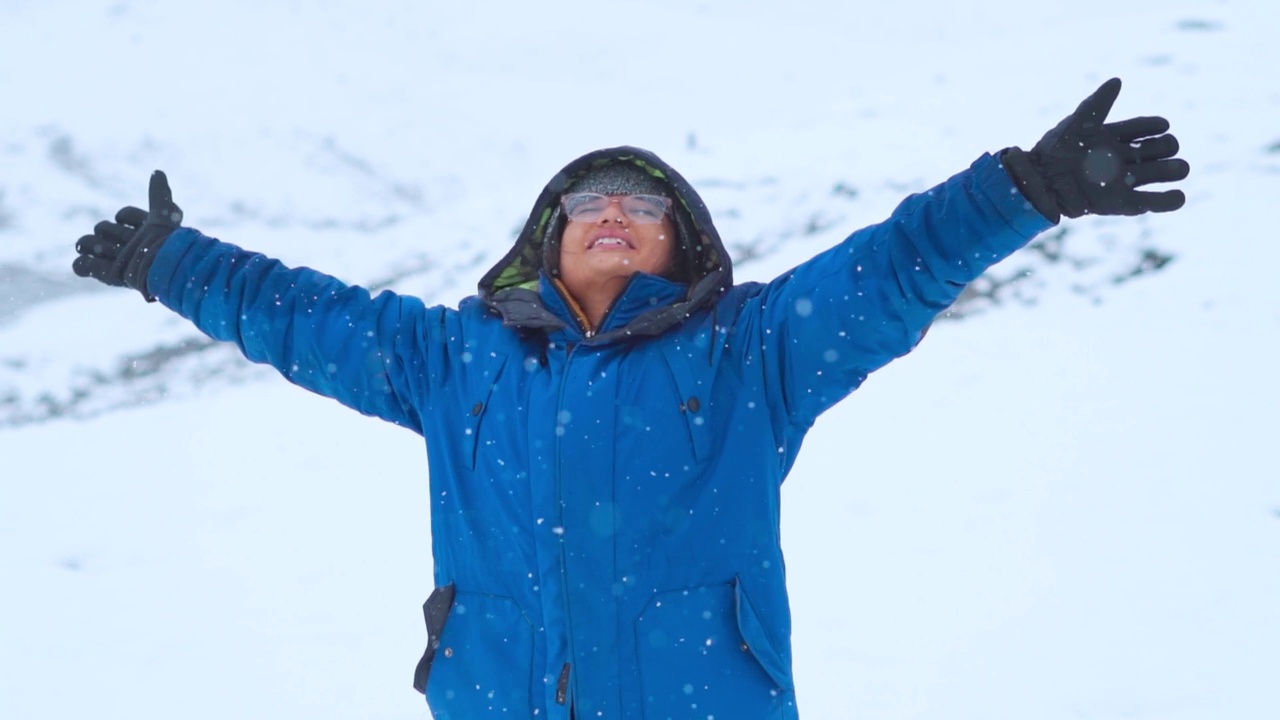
(619, 200)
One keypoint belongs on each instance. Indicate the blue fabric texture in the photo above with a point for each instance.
(612, 506)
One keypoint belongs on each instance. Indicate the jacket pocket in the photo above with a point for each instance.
(477, 408)
(483, 663)
(695, 660)
(435, 611)
(752, 627)
(694, 400)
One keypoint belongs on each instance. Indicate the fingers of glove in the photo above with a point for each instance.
(1156, 172)
(163, 208)
(131, 216)
(1166, 201)
(1137, 128)
(159, 193)
(1094, 109)
(98, 246)
(94, 267)
(1158, 148)
(118, 234)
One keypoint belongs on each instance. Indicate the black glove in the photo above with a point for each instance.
(120, 253)
(1085, 167)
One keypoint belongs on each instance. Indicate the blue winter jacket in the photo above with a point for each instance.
(604, 506)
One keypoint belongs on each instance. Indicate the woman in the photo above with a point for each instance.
(609, 420)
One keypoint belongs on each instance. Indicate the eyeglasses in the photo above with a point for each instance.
(641, 209)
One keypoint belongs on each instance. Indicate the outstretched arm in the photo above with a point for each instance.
(321, 334)
(833, 320)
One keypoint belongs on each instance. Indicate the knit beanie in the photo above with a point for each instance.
(620, 178)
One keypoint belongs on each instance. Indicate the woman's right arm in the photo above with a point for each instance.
(369, 353)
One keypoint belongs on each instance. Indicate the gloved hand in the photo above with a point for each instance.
(120, 253)
(1083, 166)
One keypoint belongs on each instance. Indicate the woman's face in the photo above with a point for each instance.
(614, 247)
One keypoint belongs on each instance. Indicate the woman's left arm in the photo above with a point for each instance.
(830, 322)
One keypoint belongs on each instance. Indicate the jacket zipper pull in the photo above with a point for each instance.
(562, 686)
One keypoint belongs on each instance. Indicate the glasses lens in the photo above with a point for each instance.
(644, 209)
(585, 207)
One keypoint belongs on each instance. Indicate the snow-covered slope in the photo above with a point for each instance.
(1063, 505)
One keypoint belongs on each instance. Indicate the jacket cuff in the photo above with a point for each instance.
(1022, 170)
(168, 256)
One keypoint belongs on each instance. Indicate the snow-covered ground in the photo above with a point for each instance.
(1061, 506)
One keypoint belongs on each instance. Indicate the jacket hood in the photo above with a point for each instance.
(511, 286)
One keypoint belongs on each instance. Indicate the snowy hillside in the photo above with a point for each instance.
(1064, 504)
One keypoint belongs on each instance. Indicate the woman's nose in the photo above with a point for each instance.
(612, 213)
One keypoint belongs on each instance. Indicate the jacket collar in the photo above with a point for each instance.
(643, 295)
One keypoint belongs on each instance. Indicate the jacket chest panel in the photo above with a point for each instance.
(620, 451)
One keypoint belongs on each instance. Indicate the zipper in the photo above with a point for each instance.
(562, 685)
(574, 308)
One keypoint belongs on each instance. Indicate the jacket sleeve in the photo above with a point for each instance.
(827, 324)
(328, 337)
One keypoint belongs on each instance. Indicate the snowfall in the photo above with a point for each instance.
(1063, 505)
